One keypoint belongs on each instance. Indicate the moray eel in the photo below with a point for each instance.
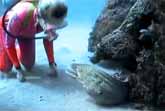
(102, 87)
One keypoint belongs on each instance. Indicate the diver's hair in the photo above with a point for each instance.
(60, 11)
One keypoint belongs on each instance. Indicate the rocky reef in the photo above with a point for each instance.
(132, 32)
(111, 17)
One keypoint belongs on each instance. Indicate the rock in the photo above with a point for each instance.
(118, 46)
(111, 17)
(122, 42)
(143, 52)
(139, 106)
(102, 87)
(147, 38)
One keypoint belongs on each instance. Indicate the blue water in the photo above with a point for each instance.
(84, 11)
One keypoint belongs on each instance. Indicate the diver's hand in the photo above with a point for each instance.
(20, 75)
(51, 35)
(52, 72)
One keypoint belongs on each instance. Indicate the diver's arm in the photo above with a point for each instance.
(50, 55)
(48, 45)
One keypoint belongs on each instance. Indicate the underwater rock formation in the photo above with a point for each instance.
(111, 17)
(139, 42)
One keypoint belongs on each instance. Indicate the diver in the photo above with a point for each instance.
(27, 18)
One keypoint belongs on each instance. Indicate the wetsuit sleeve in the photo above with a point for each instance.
(48, 45)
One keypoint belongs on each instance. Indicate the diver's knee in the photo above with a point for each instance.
(6, 69)
(28, 66)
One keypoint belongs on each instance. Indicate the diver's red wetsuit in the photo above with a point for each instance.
(22, 22)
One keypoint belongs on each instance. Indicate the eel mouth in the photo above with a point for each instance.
(71, 71)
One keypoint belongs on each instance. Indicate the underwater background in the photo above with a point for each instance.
(84, 11)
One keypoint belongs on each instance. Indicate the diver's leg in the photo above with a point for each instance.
(5, 63)
(26, 53)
